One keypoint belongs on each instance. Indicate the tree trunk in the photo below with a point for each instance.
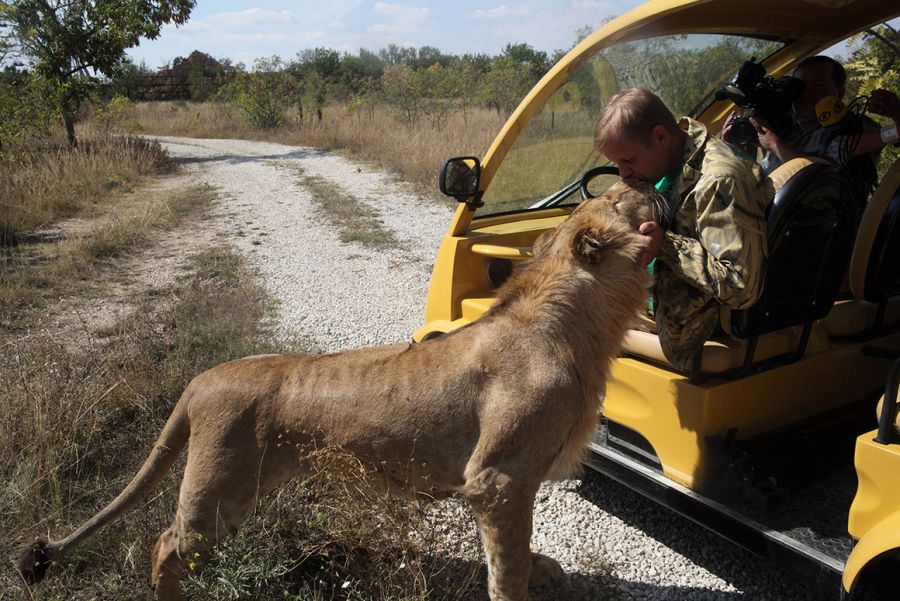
(69, 121)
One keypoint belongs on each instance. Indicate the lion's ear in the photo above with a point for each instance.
(590, 243)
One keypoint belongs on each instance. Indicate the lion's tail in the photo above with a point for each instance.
(37, 557)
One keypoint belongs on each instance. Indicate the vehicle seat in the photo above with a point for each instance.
(810, 233)
(874, 267)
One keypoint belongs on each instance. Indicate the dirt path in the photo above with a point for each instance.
(274, 204)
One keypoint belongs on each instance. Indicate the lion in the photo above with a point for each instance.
(487, 412)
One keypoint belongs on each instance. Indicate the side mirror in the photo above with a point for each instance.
(459, 178)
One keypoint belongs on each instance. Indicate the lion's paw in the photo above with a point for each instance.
(544, 570)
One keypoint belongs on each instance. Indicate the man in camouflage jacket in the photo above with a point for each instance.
(710, 243)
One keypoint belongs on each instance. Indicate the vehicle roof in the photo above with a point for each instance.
(807, 27)
(821, 21)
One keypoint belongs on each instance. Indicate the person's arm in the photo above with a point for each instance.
(728, 260)
(886, 104)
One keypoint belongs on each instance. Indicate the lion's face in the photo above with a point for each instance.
(605, 226)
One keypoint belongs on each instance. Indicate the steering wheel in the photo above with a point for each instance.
(590, 174)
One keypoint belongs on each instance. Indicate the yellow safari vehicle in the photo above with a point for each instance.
(771, 439)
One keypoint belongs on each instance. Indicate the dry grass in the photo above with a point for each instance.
(355, 220)
(76, 423)
(333, 536)
(42, 269)
(51, 181)
(77, 419)
(414, 152)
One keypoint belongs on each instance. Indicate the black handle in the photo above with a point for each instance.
(889, 408)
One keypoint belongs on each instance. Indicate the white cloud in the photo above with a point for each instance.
(592, 5)
(501, 11)
(399, 19)
(401, 10)
(252, 17)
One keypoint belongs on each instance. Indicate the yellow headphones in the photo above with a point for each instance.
(830, 110)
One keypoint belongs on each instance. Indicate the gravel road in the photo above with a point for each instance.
(612, 543)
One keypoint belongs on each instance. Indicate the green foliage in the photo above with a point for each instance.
(403, 89)
(110, 115)
(127, 78)
(872, 65)
(26, 110)
(504, 86)
(265, 97)
(66, 39)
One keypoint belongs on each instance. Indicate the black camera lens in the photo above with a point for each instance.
(741, 132)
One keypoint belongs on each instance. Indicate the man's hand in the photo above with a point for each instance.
(654, 234)
(749, 148)
(729, 121)
(771, 142)
(768, 139)
(885, 103)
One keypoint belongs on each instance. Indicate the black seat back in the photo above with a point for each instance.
(875, 267)
(883, 274)
(811, 228)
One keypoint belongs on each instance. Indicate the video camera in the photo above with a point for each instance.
(760, 95)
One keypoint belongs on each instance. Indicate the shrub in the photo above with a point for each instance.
(266, 97)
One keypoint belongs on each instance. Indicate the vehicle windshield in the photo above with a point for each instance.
(557, 145)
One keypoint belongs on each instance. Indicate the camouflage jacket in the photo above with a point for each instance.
(714, 249)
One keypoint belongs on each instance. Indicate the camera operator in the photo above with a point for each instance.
(822, 77)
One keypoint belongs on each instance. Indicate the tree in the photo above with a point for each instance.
(875, 63)
(72, 41)
(318, 69)
(403, 88)
(507, 82)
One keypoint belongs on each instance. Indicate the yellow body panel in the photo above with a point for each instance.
(875, 513)
(684, 422)
(460, 270)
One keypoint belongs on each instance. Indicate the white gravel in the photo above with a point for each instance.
(612, 543)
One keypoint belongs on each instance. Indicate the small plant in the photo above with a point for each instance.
(110, 116)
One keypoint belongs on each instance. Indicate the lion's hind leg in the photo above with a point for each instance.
(217, 492)
(167, 567)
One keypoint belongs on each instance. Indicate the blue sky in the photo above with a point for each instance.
(245, 30)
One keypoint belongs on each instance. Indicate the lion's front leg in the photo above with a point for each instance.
(504, 516)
